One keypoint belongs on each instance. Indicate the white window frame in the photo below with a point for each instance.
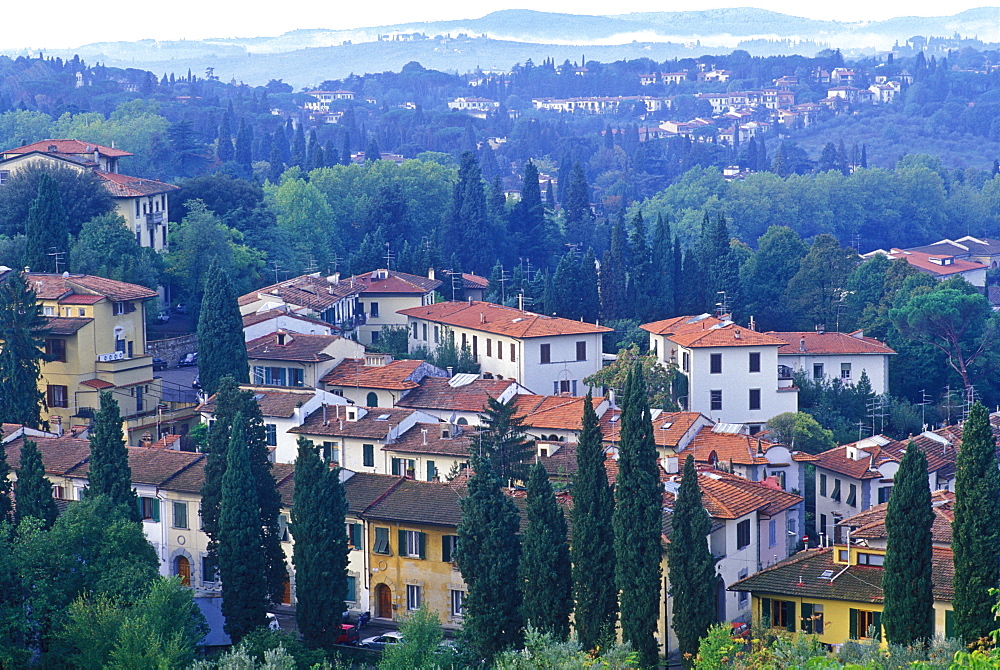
(457, 602)
(413, 596)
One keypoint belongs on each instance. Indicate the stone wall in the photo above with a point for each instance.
(172, 349)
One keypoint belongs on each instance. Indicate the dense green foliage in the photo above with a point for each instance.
(45, 227)
(34, 491)
(222, 351)
(502, 439)
(106, 248)
(21, 331)
(908, 615)
(109, 473)
(419, 650)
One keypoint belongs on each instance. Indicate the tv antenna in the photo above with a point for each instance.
(57, 257)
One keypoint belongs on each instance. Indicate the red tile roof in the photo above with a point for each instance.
(870, 524)
(76, 147)
(58, 287)
(390, 281)
(124, 186)
(705, 330)
(261, 317)
(812, 342)
(553, 411)
(436, 393)
(925, 262)
(727, 496)
(415, 441)
(313, 291)
(63, 325)
(871, 456)
(500, 320)
(710, 446)
(81, 299)
(59, 454)
(668, 427)
(97, 384)
(301, 347)
(272, 401)
(368, 426)
(353, 372)
(681, 324)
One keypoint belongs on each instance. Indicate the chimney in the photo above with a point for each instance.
(325, 421)
(334, 278)
(56, 422)
(802, 344)
(451, 372)
(430, 273)
(423, 431)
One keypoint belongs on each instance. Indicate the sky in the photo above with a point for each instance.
(70, 23)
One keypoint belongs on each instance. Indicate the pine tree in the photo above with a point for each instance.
(641, 290)
(527, 218)
(21, 331)
(976, 529)
(908, 615)
(593, 549)
(241, 561)
(110, 474)
(613, 280)
(579, 217)
(45, 227)
(467, 226)
(691, 565)
(488, 555)
(503, 441)
(34, 491)
(320, 552)
(588, 292)
(545, 567)
(222, 351)
(637, 522)
(372, 152)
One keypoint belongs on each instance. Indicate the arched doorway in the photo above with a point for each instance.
(383, 601)
(720, 599)
(182, 568)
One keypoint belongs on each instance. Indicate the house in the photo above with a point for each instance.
(731, 372)
(313, 296)
(824, 356)
(836, 593)
(869, 526)
(539, 352)
(320, 100)
(383, 295)
(477, 107)
(429, 451)
(258, 324)
(473, 286)
(673, 77)
(377, 380)
(141, 202)
(459, 399)
(979, 249)
(297, 359)
(282, 410)
(555, 418)
(941, 266)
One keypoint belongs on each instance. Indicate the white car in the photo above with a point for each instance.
(272, 621)
(380, 642)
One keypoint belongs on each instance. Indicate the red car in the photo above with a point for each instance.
(348, 634)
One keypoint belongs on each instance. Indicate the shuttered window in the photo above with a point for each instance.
(381, 541)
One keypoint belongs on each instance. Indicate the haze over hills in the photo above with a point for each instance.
(500, 39)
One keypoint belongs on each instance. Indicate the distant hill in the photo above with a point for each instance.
(307, 56)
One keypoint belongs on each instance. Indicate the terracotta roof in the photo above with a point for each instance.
(362, 489)
(801, 576)
(353, 372)
(284, 479)
(870, 524)
(668, 427)
(741, 449)
(560, 463)
(872, 455)
(150, 466)
(390, 281)
(81, 299)
(280, 403)
(729, 335)
(59, 454)
(313, 291)
(828, 343)
(97, 384)
(413, 441)
(261, 317)
(64, 325)
(298, 347)
(925, 262)
(500, 320)
(368, 426)
(415, 502)
(124, 186)
(964, 245)
(474, 281)
(681, 324)
(59, 287)
(438, 394)
(68, 147)
(727, 496)
(553, 411)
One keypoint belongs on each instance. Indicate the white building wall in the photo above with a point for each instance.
(388, 306)
(876, 365)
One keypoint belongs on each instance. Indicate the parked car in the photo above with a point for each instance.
(382, 641)
(272, 621)
(159, 364)
(163, 317)
(741, 631)
(348, 634)
(188, 360)
(181, 309)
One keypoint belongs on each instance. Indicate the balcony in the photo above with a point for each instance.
(154, 218)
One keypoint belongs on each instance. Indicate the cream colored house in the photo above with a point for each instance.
(296, 359)
(312, 296)
(383, 294)
(377, 380)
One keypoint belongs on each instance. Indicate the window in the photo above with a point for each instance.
(822, 485)
(843, 555)
(581, 351)
(754, 398)
(373, 309)
(58, 492)
(368, 454)
(499, 350)
(271, 434)
(755, 361)
(883, 494)
(835, 494)
(437, 334)
(845, 371)
(822, 524)
(401, 466)
(413, 543)
(48, 311)
(412, 597)
(781, 613)
(489, 347)
(865, 624)
(122, 307)
(414, 330)
(55, 349)
(296, 377)
(449, 548)
(331, 452)
(57, 396)
(354, 534)
(283, 534)
(475, 345)
(812, 618)
(180, 515)
(352, 589)
(743, 534)
(772, 532)
(744, 597)
(423, 331)
(465, 340)
(381, 541)
(375, 336)
(149, 509)
(852, 496)
(4, 176)
(545, 353)
(817, 370)
(512, 358)
(685, 361)
(457, 602)
(716, 396)
(715, 364)
(209, 569)
(371, 400)
(432, 471)
(81, 312)
(870, 559)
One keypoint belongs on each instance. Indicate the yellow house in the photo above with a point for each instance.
(836, 593)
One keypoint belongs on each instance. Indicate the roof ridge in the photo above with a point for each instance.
(184, 469)
(384, 495)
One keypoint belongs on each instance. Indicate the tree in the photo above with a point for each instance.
(545, 567)
(614, 292)
(503, 441)
(320, 552)
(657, 379)
(467, 226)
(908, 616)
(579, 217)
(637, 522)
(767, 273)
(420, 648)
(45, 227)
(593, 549)
(527, 218)
(976, 528)
(110, 474)
(817, 289)
(241, 558)
(224, 149)
(801, 432)
(6, 503)
(34, 492)
(488, 554)
(22, 330)
(106, 248)
(691, 565)
(222, 351)
(82, 192)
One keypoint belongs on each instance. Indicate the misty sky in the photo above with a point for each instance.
(70, 23)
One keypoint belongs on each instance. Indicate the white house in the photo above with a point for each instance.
(460, 399)
(539, 352)
(941, 266)
(824, 356)
(383, 295)
(258, 324)
(313, 296)
(297, 359)
(377, 380)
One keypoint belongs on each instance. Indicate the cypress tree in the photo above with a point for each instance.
(641, 290)
(21, 331)
(222, 351)
(503, 439)
(908, 616)
(545, 566)
(576, 208)
(637, 522)
(372, 152)
(691, 566)
(612, 279)
(976, 529)
(6, 504)
(241, 561)
(225, 151)
(587, 292)
(46, 226)
(663, 270)
(593, 549)
(34, 492)
(527, 218)
(345, 149)
(320, 553)
(110, 474)
(298, 148)
(488, 555)
(243, 153)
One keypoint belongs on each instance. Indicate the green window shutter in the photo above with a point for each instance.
(446, 549)
(352, 589)
(156, 509)
(423, 545)
(402, 544)
(765, 612)
(431, 471)
(138, 502)
(949, 624)
(356, 535)
(878, 625)
(807, 623)
(854, 624)
(791, 615)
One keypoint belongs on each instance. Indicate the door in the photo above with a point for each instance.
(383, 601)
(286, 591)
(183, 570)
